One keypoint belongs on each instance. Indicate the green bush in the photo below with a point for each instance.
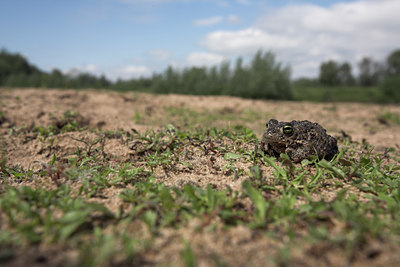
(391, 89)
(322, 93)
(264, 78)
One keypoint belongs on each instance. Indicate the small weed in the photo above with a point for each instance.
(190, 118)
(99, 251)
(138, 118)
(259, 203)
(187, 255)
(250, 115)
(389, 118)
(2, 116)
(230, 159)
(357, 194)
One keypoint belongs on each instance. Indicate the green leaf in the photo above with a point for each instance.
(189, 191)
(188, 255)
(335, 170)
(166, 199)
(67, 230)
(150, 219)
(231, 156)
(212, 199)
(71, 221)
(53, 160)
(258, 201)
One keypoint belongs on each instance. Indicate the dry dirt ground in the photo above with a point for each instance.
(111, 111)
(26, 108)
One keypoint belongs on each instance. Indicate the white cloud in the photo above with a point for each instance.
(150, 1)
(223, 4)
(305, 35)
(201, 59)
(161, 55)
(233, 19)
(246, 41)
(244, 2)
(217, 19)
(113, 73)
(132, 71)
(91, 68)
(208, 21)
(88, 68)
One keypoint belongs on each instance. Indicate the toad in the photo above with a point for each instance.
(299, 140)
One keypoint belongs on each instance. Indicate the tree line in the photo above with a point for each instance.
(385, 75)
(262, 77)
(16, 71)
(370, 72)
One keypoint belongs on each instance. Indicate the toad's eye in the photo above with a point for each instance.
(287, 129)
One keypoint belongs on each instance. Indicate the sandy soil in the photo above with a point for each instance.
(110, 111)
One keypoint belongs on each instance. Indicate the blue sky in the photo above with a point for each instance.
(132, 38)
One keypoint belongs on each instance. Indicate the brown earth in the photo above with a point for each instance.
(237, 246)
(112, 111)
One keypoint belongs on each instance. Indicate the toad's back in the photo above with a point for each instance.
(299, 139)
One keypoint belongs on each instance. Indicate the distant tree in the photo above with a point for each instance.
(56, 79)
(262, 78)
(35, 79)
(281, 81)
(371, 72)
(103, 82)
(329, 73)
(240, 79)
(167, 82)
(224, 76)
(17, 80)
(158, 84)
(16, 65)
(390, 87)
(171, 78)
(82, 80)
(193, 81)
(86, 80)
(267, 79)
(344, 74)
(214, 88)
(305, 82)
(141, 84)
(15, 70)
(393, 63)
(259, 75)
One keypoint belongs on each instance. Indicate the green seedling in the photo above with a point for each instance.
(356, 194)
(259, 203)
(188, 255)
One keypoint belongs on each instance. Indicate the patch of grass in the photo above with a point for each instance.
(357, 194)
(189, 118)
(70, 121)
(138, 118)
(161, 206)
(389, 118)
(188, 256)
(337, 94)
(33, 214)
